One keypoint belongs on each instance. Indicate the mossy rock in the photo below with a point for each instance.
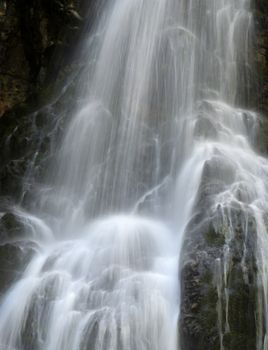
(214, 238)
(204, 288)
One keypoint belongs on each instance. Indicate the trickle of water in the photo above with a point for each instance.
(111, 288)
(158, 106)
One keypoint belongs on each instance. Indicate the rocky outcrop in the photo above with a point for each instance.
(14, 257)
(219, 290)
(37, 41)
(261, 53)
(216, 313)
(219, 297)
(260, 56)
(17, 246)
(219, 279)
(39, 59)
(38, 65)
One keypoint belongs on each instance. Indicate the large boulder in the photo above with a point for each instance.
(218, 274)
(14, 258)
(261, 53)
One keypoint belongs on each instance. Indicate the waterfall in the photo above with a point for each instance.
(161, 120)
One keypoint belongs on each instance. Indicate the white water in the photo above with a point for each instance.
(157, 102)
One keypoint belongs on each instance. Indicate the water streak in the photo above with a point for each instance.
(158, 105)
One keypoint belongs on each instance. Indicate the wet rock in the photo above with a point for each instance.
(37, 39)
(205, 128)
(39, 63)
(219, 288)
(259, 93)
(27, 141)
(11, 228)
(261, 54)
(213, 305)
(14, 257)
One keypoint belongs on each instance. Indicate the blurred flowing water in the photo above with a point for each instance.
(161, 96)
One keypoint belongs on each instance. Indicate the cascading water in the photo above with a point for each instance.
(158, 102)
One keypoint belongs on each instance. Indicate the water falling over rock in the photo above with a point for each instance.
(153, 217)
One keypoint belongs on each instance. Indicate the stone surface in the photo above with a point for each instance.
(218, 276)
(36, 44)
(261, 53)
(219, 273)
(14, 257)
(39, 55)
(37, 39)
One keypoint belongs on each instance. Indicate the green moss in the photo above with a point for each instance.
(202, 331)
(207, 277)
(214, 238)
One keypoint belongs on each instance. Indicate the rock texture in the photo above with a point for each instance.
(219, 287)
(219, 273)
(261, 69)
(39, 48)
(38, 64)
(37, 38)
(261, 53)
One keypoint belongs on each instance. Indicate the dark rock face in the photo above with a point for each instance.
(219, 290)
(14, 71)
(27, 142)
(11, 228)
(39, 59)
(261, 53)
(14, 257)
(37, 40)
(261, 69)
(218, 275)
(16, 249)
